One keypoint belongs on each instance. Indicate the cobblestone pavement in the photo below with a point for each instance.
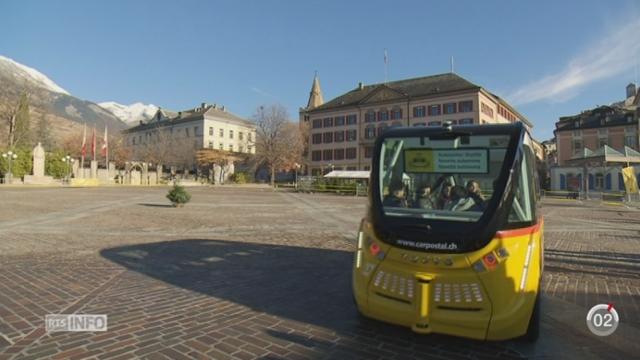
(251, 273)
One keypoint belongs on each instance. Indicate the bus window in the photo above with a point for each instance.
(522, 206)
(442, 179)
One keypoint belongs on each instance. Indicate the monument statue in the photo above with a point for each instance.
(38, 177)
(38, 161)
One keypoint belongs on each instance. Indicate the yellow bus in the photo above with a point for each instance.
(451, 242)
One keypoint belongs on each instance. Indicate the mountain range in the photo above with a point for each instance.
(130, 114)
(66, 113)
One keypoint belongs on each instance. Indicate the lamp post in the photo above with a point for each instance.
(10, 156)
(68, 160)
(297, 166)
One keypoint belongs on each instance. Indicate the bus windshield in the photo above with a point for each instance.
(440, 178)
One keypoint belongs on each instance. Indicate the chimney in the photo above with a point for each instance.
(360, 85)
(203, 106)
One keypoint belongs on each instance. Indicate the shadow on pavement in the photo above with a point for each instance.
(307, 285)
(158, 205)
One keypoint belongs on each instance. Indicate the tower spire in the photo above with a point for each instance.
(315, 96)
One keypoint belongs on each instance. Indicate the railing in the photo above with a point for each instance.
(609, 197)
(311, 185)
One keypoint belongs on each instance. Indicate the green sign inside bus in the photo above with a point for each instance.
(458, 161)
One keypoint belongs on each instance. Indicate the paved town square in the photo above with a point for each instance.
(248, 272)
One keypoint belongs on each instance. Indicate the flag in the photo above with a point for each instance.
(629, 178)
(105, 143)
(93, 143)
(84, 141)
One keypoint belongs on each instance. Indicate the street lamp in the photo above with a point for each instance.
(10, 156)
(297, 166)
(68, 160)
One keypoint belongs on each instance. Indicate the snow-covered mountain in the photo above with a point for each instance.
(66, 113)
(130, 114)
(25, 74)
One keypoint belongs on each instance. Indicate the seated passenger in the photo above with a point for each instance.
(458, 199)
(396, 197)
(473, 201)
(424, 199)
(444, 199)
(473, 188)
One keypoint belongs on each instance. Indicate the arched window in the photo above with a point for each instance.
(620, 182)
(580, 182)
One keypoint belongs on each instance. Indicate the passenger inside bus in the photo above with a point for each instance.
(445, 198)
(469, 199)
(424, 199)
(396, 196)
(458, 194)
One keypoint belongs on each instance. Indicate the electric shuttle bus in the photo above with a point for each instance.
(451, 243)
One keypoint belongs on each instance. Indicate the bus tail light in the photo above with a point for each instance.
(374, 249)
(490, 261)
(366, 243)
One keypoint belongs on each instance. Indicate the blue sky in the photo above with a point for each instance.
(550, 58)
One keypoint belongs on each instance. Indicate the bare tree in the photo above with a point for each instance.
(161, 146)
(17, 118)
(43, 132)
(279, 142)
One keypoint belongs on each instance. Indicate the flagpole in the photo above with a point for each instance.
(106, 148)
(93, 143)
(84, 148)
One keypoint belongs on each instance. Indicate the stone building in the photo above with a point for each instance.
(342, 131)
(172, 138)
(593, 146)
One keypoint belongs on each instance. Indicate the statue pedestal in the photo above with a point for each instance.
(38, 177)
(38, 180)
(94, 169)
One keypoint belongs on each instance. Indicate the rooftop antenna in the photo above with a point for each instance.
(386, 65)
(452, 64)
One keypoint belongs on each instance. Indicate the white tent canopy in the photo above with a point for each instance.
(348, 174)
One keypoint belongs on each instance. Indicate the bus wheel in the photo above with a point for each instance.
(533, 330)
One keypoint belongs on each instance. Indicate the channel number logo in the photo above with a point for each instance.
(603, 319)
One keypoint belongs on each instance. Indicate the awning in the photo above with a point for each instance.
(606, 154)
(348, 174)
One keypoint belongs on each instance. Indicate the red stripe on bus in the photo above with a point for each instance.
(503, 234)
